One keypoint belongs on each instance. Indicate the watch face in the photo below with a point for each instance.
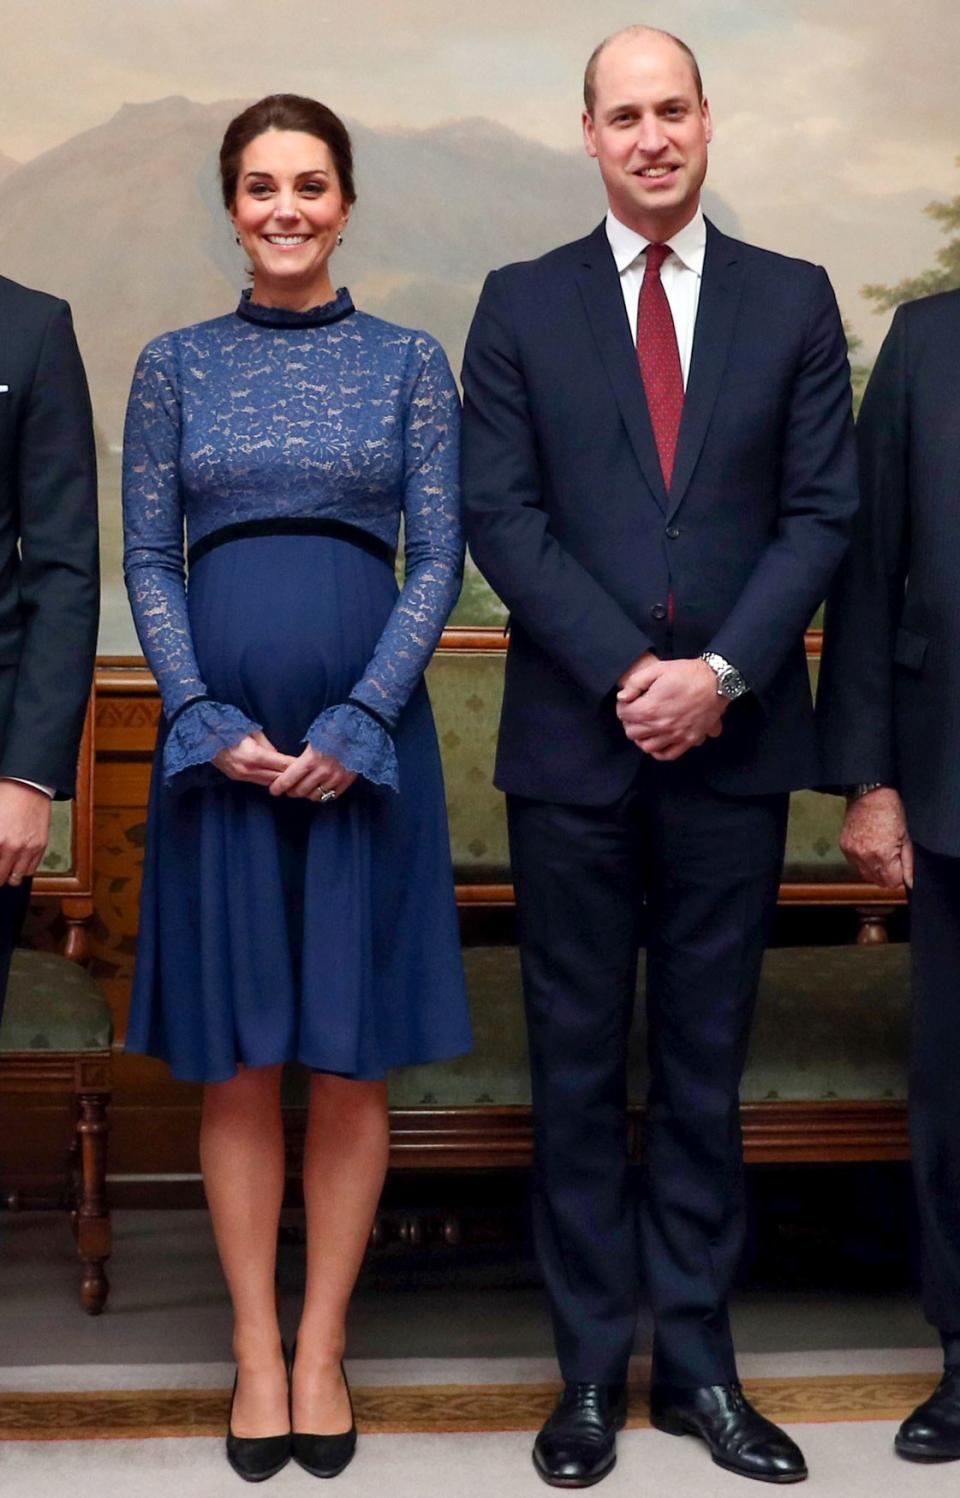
(730, 683)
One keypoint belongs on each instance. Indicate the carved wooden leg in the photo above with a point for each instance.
(78, 913)
(77, 943)
(873, 924)
(74, 1182)
(93, 1219)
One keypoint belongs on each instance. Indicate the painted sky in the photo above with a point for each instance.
(835, 123)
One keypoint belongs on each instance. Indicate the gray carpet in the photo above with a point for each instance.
(168, 1304)
(168, 1327)
(846, 1461)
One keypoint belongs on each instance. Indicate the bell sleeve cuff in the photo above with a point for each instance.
(195, 733)
(360, 740)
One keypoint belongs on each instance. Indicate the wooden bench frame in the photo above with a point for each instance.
(471, 1138)
(476, 1138)
(872, 903)
(85, 1077)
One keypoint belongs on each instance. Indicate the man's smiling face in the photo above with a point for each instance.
(649, 132)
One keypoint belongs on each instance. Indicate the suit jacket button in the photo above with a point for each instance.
(672, 532)
(659, 611)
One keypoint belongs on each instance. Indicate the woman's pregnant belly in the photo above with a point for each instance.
(284, 626)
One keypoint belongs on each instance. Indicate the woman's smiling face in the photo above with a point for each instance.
(288, 212)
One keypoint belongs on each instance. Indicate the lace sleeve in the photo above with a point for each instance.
(153, 564)
(433, 557)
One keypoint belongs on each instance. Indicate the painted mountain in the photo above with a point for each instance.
(125, 220)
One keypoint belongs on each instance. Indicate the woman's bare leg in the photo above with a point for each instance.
(242, 1158)
(345, 1160)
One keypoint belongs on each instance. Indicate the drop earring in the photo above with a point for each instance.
(237, 238)
(340, 237)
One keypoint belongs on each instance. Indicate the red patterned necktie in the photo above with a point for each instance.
(659, 359)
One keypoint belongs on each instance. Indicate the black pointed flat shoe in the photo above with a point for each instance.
(739, 1438)
(932, 1432)
(577, 1446)
(325, 1456)
(256, 1458)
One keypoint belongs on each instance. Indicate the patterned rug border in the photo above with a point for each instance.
(440, 1409)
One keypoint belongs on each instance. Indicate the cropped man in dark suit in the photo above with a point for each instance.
(49, 581)
(659, 479)
(889, 708)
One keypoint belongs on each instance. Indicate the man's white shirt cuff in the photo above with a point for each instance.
(35, 785)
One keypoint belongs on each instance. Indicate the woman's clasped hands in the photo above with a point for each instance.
(310, 775)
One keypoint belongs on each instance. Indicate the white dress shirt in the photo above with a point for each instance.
(681, 274)
(33, 784)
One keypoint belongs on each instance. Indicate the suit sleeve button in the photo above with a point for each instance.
(659, 611)
(672, 532)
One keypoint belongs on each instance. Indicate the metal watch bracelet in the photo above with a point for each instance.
(730, 683)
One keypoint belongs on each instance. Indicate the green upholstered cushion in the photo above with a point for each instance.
(466, 688)
(58, 858)
(53, 1005)
(812, 854)
(813, 831)
(831, 1023)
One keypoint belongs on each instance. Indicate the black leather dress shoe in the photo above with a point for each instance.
(932, 1432)
(325, 1456)
(578, 1445)
(255, 1458)
(739, 1437)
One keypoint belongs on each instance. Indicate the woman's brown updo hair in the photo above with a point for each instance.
(285, 112)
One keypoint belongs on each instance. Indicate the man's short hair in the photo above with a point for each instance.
(590, 73)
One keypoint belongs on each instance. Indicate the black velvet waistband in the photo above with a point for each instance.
(293, 525)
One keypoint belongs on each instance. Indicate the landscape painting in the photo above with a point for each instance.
(836, 131)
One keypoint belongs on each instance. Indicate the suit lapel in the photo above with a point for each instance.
(716, 315)
(599, 286)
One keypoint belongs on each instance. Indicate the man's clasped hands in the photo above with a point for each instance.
(668, 707)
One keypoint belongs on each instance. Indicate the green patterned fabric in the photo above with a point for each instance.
(58, 858)
(53, 1005)
(813, 831)
(466, 688)
(831, 1023)
(813, 848)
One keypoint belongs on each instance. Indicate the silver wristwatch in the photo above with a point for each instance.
(729, 681)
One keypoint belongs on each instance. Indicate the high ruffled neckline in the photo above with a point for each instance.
(284, 317)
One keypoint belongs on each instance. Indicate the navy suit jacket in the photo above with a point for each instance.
(49, 577)
(567, 515)
(889, 700)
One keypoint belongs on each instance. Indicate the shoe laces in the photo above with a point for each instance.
(584, 1397)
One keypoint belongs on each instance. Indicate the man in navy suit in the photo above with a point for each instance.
(49, 581)
(659, 480)
(889, 705)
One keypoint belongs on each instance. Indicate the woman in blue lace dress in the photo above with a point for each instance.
(297, 895)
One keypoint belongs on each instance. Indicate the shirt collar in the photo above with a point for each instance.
(689, 244)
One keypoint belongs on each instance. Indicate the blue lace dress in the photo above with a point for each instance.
(288, 445)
